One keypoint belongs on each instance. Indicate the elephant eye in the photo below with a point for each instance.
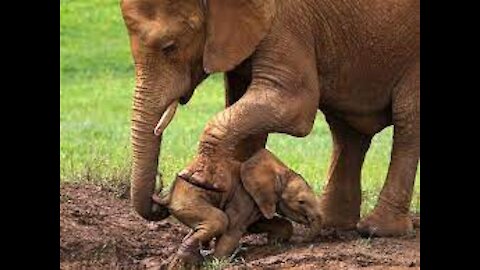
(169, 47)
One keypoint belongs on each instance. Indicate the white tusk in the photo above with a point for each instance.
(166, 118)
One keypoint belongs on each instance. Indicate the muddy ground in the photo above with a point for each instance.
(99, 230)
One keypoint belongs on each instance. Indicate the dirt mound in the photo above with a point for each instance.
(99, 230)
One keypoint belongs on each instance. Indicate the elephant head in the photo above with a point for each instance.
(166, 40)
(172, 43)
(277, 189)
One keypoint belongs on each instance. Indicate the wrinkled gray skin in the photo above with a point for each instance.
(355, 60)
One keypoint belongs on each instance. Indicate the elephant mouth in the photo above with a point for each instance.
(185, 98)
(169, 113)
(284, 210)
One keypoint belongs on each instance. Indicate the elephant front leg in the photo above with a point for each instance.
(261, 110)
(341, 198)
(237, 82)
(278, 229)
(391, 214)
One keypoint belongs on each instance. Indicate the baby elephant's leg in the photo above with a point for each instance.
(207, 222)
(227, 243)
(278, 229)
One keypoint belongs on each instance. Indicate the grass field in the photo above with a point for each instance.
(97, 79)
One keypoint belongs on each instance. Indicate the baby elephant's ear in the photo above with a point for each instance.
(261, 179)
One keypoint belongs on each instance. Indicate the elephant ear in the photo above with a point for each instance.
(263, 178)
(234, 29)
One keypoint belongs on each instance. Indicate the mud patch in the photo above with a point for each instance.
(99, 230)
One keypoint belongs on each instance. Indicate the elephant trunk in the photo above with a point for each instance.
(315, 221)
(315, 228)
(147, 128)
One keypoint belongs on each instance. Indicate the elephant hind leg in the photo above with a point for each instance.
(391, 214)
(227, 243)
(207, 222)
(341, 198)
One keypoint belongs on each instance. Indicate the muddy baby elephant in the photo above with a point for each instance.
(262, 187)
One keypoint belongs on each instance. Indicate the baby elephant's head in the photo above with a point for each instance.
(277, 189)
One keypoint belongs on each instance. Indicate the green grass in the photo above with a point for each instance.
(96, 82)
(215, 264)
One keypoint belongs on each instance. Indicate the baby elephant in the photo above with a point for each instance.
(261, 187)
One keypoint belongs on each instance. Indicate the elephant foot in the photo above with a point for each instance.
(385, 224)
(178, 262)
(184, 259)
(189, 250)
(338, 215)
(340, 224)
(207, 173)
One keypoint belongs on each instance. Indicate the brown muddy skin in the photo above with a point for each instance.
(100, 230)
(248, 206)
(355, 60)
(349, 59)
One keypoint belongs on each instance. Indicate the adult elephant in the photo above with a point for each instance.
(355, 60)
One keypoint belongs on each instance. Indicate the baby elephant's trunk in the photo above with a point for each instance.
(315, 229)
(315, 220)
